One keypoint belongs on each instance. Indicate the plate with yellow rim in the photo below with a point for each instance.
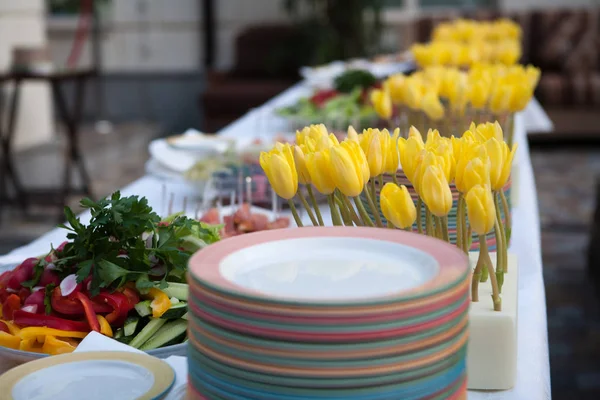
(100, 375)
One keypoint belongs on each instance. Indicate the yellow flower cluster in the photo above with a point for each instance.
(437, 91)
(462, 43)
(464, 30)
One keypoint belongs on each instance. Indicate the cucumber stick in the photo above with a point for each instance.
(144, 308)
(130, 326)
(167, 333)
(177, 290)
(176, 311)
(149, 330)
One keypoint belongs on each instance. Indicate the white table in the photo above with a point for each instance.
(533, 381)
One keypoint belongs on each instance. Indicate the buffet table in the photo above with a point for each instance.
(533, 380)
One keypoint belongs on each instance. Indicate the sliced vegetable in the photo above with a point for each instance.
(143, 308)
(22, 273)
(167, 333)
(10, 305)
(12, 328)
(105, 327)
(149, 330)
(54, 346)
(23, 318)
(118, 333)
(69, 306)
(88, 309)
(176, 311)
(185, 316)
(130, 326)
(10, 341)
(160, 302)
(132, 295)
(119, 302)
(69, 285)
(36, 299)
(33, 332)
(30, 345)
(178, 290)
(4, 327)
(32, 308)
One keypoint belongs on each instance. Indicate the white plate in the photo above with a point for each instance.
(93, 376)
(175, 160)
(330, 269)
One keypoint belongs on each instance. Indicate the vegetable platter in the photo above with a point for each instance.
(122, 275)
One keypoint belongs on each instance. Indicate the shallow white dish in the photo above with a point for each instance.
(156, 169)
(100, 375)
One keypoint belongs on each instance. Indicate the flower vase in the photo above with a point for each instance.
(492, 348)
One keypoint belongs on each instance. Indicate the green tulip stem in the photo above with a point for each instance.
(445, 234)
(428, 222)
(469, 238)
(395, 179)
(419, 217)
(307, 207)
(484, 274)
(335, 214)
(467, 235)
(315, 204)
(352, 212)
(295, 213)
(363, 213)
(374, 209)
(483, 251)
(372, 187)
(380, 179)
(343, 210)
(507, 217)
(389, 225)
(510, 127)
(499, 254)
(502, 234)
(459, 226)
(437, 227)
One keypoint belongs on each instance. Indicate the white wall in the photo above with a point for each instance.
(23, 23)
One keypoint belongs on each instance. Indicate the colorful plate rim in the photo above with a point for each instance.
(164, 376)
(453, 264)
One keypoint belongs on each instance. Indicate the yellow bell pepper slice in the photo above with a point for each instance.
(160, 302)
(14, 329)
(35, 331)
(105, 327)
(10, 341)
(30, 344)
(55, 346)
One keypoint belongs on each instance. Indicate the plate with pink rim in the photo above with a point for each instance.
(329, 266)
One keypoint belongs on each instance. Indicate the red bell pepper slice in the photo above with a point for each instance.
(23, 294)
(69, 306)
(10, 305)
(121, 305)
(4, 327)
(88, 308)
(24, 319)
(132, 296)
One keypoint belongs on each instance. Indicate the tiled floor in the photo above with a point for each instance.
(565, 182)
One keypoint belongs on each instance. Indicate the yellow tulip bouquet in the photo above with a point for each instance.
(463, 43)
(478, 162)
(451, 98)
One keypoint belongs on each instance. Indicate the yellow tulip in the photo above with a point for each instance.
(319, 168)
(391, 157)
(301, 168)
(413, 93)
(414, 133)
(373, 144)
(382, 102)
(409, 150)
(395, 86)
(487, 131)
(346, 171)
(315, 132)
(433, 138)
(520, 97)
(500, 162)
(397, 205)
(500, 99)
(435, 191)
(360, 157)
(446, 160)
(475, 172)
(432, 106)
(480, 209)
(352, 134)
(280, 170)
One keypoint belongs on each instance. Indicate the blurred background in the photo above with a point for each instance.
(153, 68)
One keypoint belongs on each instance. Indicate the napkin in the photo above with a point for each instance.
(94, 341)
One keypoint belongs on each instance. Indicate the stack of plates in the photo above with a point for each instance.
(403, 180)
(328, 313)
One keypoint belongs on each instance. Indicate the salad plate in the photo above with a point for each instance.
(100, 375)
(325, 266)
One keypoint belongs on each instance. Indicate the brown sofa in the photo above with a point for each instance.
(563, 43)
(264, 67)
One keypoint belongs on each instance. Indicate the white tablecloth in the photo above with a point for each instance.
(533, 381)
